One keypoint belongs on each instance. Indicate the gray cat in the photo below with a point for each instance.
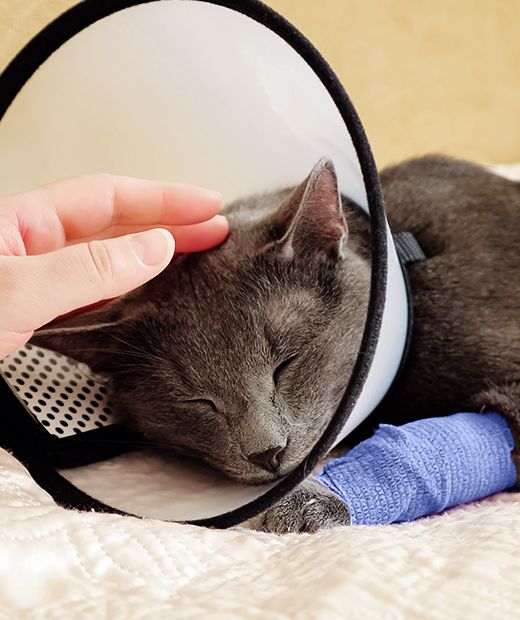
(239, 355)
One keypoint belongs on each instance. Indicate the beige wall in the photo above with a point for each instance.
(424, 75)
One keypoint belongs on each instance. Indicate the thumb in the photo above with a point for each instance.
(37, 289)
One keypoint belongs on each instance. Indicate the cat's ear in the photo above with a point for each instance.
(311, 223)
(92, 337)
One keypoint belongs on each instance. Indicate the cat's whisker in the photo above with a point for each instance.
(124, 352)
(142, 351)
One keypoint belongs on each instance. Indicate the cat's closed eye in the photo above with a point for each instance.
(202, 403)
(281, 368)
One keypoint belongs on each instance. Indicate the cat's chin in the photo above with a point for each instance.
(255, 477)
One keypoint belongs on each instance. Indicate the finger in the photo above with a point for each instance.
(200, 237)
(36, 289)
(194, 238)
(82, 207)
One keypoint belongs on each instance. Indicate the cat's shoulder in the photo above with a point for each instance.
(440, 197)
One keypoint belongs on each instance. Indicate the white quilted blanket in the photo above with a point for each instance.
(63, 564)
(56, 563)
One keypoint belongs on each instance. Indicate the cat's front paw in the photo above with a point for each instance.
(309, 508)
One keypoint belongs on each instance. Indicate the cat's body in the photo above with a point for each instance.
(262, 331)
(466, 295)
(465, 347)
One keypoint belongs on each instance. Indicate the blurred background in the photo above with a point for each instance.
(424, 76)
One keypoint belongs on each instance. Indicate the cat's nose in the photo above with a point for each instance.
(269, 459)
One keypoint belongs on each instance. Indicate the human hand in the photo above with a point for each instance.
(77, 242)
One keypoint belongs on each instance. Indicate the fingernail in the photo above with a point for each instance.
(153, 246)
(216, 196)
(222, 219)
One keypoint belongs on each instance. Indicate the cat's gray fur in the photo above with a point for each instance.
(289, 282)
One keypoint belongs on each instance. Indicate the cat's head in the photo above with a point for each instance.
(238, 355)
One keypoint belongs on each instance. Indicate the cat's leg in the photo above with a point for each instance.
(407, 472)
(504, 399)
(308, 508)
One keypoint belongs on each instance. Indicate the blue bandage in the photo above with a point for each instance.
(421, 468)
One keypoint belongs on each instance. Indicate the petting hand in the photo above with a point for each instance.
(74, 243)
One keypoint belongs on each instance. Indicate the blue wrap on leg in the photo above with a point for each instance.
(421, 468)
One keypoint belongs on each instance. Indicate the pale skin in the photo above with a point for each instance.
(78, 242)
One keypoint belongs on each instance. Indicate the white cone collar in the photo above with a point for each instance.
(222, 94)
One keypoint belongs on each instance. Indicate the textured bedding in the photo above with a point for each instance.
(56, 563)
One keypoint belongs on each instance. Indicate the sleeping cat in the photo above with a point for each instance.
(240, 355)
